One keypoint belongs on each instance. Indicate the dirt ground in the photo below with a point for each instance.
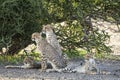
(35, 74)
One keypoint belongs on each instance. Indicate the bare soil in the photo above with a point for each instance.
(36, 74)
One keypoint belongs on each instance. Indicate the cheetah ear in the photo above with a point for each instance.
(43, 25)
(52, 27)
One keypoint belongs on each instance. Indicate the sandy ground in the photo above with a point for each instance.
(35, 74)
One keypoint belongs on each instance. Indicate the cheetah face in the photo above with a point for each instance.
(35, 36)
(47, 28)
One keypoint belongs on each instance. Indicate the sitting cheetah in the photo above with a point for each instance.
(48, 53)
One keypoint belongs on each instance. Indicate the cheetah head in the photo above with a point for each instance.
(47, 29)
(35, 37)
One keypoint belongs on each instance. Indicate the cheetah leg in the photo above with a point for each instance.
(43, 64)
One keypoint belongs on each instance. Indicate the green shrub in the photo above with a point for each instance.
(20, 18)
(73, 37)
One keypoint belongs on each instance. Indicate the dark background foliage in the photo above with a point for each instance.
(20, 18)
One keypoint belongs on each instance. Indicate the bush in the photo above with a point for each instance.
(20, 18)
(73, 37)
